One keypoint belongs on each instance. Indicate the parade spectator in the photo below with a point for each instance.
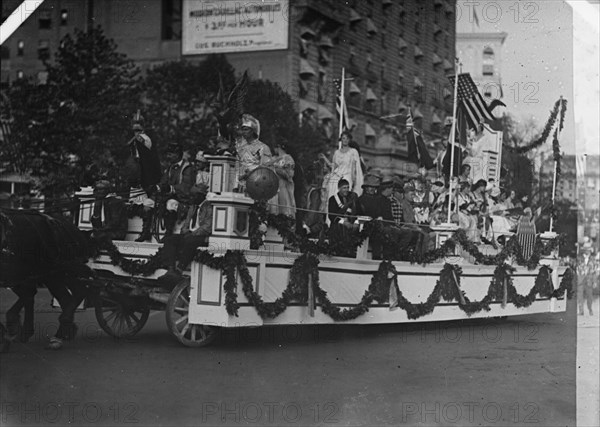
(250, 150)
(586, 280)
(109, 213)
(283, 165)
(345, 165)
(313, 222)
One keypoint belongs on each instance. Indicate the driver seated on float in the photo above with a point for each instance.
(179, 249)
(109, 213)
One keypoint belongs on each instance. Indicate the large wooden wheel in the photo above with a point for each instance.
(121, 317)
(191, 335)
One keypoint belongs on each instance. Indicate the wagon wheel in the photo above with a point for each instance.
(191, 335)
(120, 317)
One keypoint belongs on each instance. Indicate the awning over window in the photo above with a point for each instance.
(371, 28)
(369, 131)
(447, 93)
(325, 42)
(354, 16)
(402, 43)
(418, 82)
(449, 10)
(354, 90)
(435, 119)
(306, 70)
(307, 33)
(418, 52)
(319, 111)
(370, 96)
(387, 2)
(416, 113)
(438, 3)
(401, 74)
(436, 59)
(448, 65)
(402, 106)
(352, 123)
(436, 29)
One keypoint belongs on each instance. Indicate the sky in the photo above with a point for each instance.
(538, 64)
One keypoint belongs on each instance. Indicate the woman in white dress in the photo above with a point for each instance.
(346, 165)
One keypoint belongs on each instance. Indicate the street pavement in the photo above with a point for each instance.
(517, 371)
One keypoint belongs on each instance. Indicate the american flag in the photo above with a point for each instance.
(471, 103)
(340, 105)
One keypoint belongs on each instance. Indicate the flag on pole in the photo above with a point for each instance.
(340, 105)
(417, 151)
(457, 147)
(471, 103)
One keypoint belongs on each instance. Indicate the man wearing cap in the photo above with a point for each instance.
(251, 151)
(372, 204)
(109, 213)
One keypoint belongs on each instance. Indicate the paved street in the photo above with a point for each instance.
(516, 371)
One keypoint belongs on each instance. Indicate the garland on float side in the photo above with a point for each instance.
(447, 286)
(511, 249)
(554, 114)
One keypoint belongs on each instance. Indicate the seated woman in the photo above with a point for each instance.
(501, 223)
(467, 214)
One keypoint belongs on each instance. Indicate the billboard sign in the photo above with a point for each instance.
(234, 26)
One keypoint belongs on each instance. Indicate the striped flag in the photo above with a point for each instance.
(471, 103)
(340, 105)
(580, 160)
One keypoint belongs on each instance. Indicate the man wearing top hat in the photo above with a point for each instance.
(378, 207)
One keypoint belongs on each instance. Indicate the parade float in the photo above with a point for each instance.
(285, 278)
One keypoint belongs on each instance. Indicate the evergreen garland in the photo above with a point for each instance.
(545, 133)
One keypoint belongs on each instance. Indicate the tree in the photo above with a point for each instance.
(76, 126)
(178, 99)
(517, 168)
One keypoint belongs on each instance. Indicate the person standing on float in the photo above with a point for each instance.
(345, 165)
(250, 150)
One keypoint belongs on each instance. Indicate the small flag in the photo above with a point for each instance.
(471, 103)
(340, 105)
(417, 151)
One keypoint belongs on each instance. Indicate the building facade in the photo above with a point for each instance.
(396, 56)
(481, 56)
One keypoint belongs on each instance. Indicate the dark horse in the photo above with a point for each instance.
(39, 249)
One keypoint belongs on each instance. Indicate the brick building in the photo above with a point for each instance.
(397, 54)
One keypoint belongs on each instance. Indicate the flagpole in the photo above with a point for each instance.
(342, 107)
(452, 137)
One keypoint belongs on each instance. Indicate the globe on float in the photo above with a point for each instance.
(262, 183)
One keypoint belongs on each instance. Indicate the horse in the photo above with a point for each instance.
(39, 249)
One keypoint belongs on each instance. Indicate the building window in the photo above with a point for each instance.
(20, 48)
(4, 52)
(44, 50)
(42, 77)
(45, 20)
(488, 61)
(20, 74)
(171, 19)
(64, 15)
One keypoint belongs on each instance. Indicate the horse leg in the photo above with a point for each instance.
(72, 294)
(26, 296)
